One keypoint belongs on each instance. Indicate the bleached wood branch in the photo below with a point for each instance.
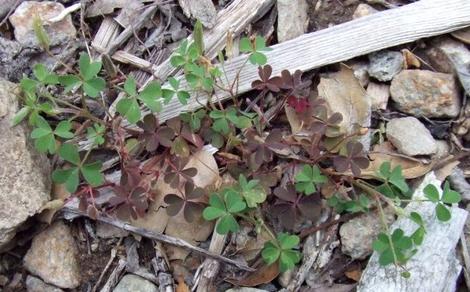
(435, 267)
(342, 42)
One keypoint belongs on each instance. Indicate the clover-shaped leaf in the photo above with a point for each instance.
(45, 76)
(282, 249)
(88, 78)
(45, 138)
(263, 151)
(251, 191)
(223, 119)
(129, 201)
(153, 135)
(442, 202)
(354, 159)
(70, 176)
(96, 133)
(394, 249)
(290, 206)
(194, 118)
(307, 179)
(188, 202)
(223, 207)
(294, 83)
(178, 172)
(255, 48)
(266, 82)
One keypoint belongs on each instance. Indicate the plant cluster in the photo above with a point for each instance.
(322, 158)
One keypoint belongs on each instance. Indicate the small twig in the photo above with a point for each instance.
(111, 259)
(114, 277)
(161, 237)
(64, 13)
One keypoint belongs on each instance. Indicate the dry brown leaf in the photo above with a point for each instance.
(386, 152)
(264, 274)
(443, 172)
(410, 59)
(343, 93)
(181, 287)
(354, 274)
(462, 35)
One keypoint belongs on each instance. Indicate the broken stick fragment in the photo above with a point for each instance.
(435, 266)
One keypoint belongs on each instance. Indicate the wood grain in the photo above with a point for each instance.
(378, 31)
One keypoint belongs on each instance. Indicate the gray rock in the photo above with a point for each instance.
(135, 284)
(360, 72)
(23, 19)
(203, 10)
(104, 230)
(358, 234)
(426, 93)
(34, 284)
(384, 65)
(450, 56)
(378, 94)
(364, 10)
(245, 289)
(292, 19)
(443, 149)
(24, 173)
(53, 257)
(411, 137)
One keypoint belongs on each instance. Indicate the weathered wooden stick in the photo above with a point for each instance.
(375, 32)
(435, 267)
(160, 237)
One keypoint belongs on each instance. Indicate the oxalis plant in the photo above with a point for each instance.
(114, 116)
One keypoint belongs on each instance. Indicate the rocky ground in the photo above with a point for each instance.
(413, 99)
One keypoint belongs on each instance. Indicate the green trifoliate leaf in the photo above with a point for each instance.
(431, 192)
(92, 173)
(450, 196)
(69, 152)
(129, 108)
(69, 177)
(88, 69)
(442, 212)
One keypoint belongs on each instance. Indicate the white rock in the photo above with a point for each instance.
(410, 137)
(53, 257)
(443, 149)
(435, 266)
(364, 10)
(135, 284)
(292, 19)
(23, 20)
(358, 234)
(378, 94)
(384, 65)
(24, 173)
